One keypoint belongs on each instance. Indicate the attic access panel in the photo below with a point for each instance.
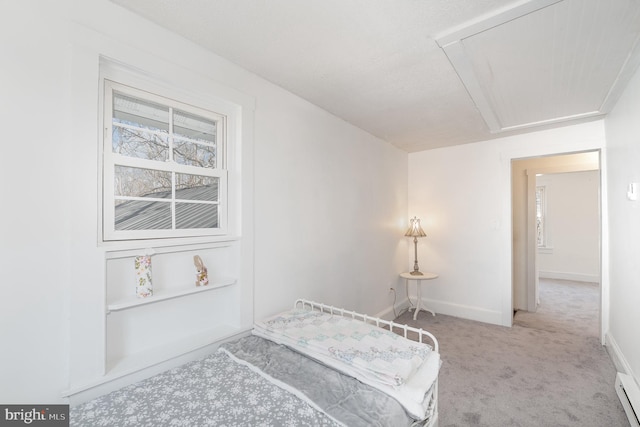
(546, 61)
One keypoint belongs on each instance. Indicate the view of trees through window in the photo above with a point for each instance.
(540, 214)
(164, 162)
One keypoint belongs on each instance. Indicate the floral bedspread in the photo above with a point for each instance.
(214, 391)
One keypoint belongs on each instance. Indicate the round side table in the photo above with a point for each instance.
(418, 280)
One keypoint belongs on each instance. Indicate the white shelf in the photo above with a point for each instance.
(163, 295)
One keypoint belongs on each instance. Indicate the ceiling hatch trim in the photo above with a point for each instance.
(461, 45)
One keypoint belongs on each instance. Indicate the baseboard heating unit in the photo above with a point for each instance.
(629, 394)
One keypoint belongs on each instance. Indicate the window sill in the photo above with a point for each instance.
(169, 244)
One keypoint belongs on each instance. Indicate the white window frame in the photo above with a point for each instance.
(158, 94)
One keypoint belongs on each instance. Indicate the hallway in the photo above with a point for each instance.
(565, 306)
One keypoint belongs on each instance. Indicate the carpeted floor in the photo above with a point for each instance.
(565, 306)
(547, 370)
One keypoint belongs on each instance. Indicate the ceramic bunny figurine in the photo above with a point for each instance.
(202, 278)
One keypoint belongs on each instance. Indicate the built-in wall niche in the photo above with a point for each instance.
(179, 317)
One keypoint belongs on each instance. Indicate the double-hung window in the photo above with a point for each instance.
(164, 167)
(541, 211)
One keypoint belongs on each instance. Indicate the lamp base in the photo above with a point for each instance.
(416, 273)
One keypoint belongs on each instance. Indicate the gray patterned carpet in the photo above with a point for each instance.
(565, 306)
(549, 369)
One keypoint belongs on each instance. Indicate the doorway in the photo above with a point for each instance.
(556, 231)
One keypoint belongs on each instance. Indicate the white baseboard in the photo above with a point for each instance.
(391, 312)
(464, 311)
(578, 277)
(629, 394)
(617, 356)
(457, 310)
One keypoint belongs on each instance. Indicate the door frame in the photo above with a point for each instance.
(532, 247)
(531, 244)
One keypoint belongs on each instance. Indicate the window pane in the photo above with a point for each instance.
(196, 187)
(138, 182)
(140, 113)
(196, 215)
(140, 143)
(540, 202)
(194, 127)
(142, 215)
(192, 154)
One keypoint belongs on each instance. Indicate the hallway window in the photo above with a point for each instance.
(541, 205)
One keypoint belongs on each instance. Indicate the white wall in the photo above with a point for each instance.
(36, 220)
(329, 200)
(623, 154)
(463, 195)
(330, 210)
(573, 226)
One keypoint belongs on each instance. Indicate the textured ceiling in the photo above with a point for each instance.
(379, 64)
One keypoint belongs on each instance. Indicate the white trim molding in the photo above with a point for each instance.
(459, 45)
(577, 277)
(617, 357)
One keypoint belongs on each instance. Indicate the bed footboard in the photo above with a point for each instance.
(422, 335)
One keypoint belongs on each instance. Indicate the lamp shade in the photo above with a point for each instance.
(415, 230)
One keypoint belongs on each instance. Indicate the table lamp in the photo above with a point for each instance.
(415, 231)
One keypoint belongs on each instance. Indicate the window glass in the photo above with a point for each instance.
(540, 216)
(194, 154)
(138, 143)
(140, 128)
(193, 127)
(196, 215)
(140, 113)
(142, 215)
(194, 187)
(137, 182)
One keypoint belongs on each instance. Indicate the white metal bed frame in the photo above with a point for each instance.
(432, 421)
